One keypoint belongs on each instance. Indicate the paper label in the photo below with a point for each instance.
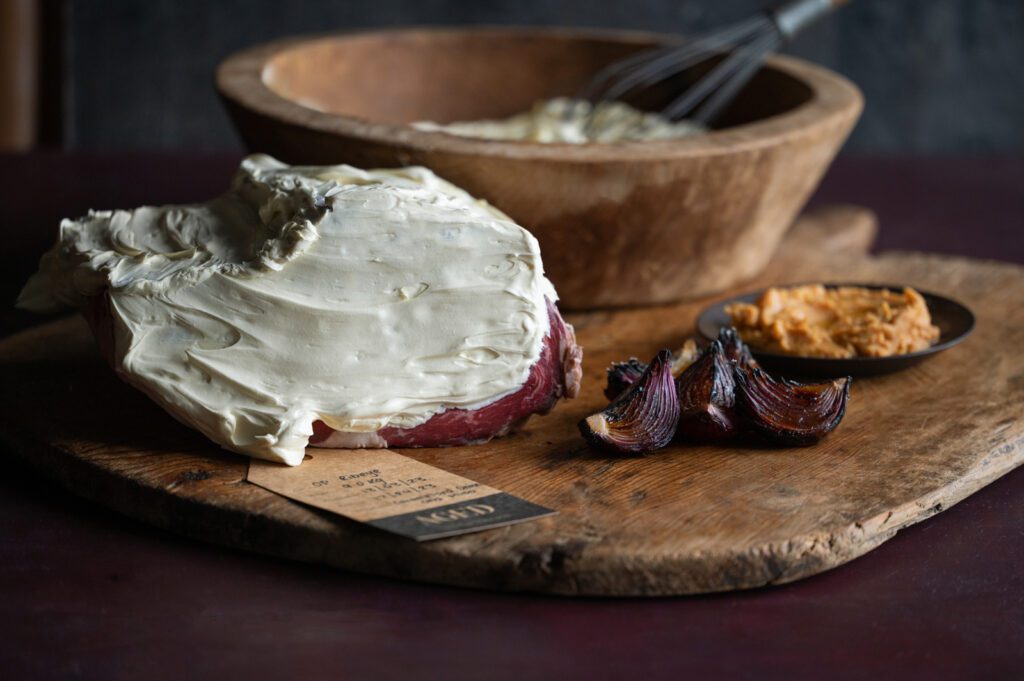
(382, 488)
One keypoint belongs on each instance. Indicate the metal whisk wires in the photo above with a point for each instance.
(741, 49)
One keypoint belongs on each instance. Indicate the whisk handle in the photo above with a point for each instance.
(793, 17)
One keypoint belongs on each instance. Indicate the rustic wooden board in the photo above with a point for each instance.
(687, 520)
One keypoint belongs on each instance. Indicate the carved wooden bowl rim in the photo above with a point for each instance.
(834, 101)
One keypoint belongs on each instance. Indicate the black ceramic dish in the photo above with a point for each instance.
(955, 323)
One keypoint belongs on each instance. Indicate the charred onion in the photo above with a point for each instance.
(643, 418)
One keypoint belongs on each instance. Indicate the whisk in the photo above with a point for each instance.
(742, 48)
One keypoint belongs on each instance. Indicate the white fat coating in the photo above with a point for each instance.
(362, 298)
(573, 121)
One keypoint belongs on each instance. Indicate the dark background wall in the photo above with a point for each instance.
(939, 76)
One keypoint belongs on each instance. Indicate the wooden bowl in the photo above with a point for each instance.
(625, 224)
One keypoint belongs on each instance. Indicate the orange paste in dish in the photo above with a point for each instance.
(848, 321)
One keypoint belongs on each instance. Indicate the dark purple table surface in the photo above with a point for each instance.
(85, 593)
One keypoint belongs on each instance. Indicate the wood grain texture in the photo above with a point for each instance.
(619, 224)
(686, 520)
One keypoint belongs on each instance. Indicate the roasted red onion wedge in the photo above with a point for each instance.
(706, 402)
(734, 348)
(643, 418)
(621, 375)
(719, 393)
(787, 412)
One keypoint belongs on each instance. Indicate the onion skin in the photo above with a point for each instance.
(643, 418)
(787, 412)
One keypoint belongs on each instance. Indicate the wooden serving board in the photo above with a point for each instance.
(689, 519)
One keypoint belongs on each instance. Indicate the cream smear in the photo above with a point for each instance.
(573, 121)
(360, 298)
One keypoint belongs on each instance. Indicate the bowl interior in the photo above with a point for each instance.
(397, 77)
